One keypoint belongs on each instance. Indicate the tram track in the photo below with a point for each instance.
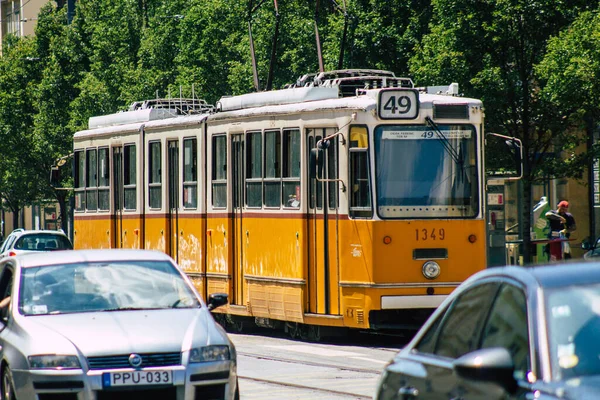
(375, 371)
(305, 387)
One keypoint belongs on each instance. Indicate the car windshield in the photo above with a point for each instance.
(106, 286)
(573, 325)
(424, 173)
(43, 242)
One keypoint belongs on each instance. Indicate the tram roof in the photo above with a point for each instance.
(178, 121)
(364, 102)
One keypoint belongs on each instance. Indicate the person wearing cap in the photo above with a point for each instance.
(562, 224)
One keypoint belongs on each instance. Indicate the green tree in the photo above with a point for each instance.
(62, 69)
(570, 71)
(19, 75)
(491, 48)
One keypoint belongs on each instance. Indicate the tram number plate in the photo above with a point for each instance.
(137, 378)
(398, 104)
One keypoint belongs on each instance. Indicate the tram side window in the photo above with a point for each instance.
(103, 180)
(79, 180)
(91, 169)
(219, 171)
(272, 180)
(129, 179)
(190, 173)
(254, 170)
(360, 188)
(291, 168)
(154, 183)
(332, 169)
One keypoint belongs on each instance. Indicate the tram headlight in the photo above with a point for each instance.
(431, 270)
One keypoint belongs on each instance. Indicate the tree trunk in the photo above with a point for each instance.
(15, 218)
(61, 196)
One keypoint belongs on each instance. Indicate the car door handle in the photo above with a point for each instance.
(408, 392)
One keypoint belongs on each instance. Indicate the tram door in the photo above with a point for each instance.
(173, 199)
(323, 268)
(237, 236)
(118, 198)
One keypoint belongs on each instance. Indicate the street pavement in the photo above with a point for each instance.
(280, 368)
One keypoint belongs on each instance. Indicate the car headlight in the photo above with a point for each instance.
(210, 353)
(52, 361)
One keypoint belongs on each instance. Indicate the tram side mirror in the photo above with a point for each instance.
(504, 157)
(54, 176)
(316, 164)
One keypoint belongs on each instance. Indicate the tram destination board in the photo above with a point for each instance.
(398, 104)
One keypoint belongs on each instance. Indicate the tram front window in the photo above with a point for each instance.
(422, 174)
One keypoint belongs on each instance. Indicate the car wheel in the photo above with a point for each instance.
(8, 386)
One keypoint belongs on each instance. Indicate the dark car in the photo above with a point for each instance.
(593, 250)
(507, 333)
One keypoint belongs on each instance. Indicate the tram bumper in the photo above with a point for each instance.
(404, 312)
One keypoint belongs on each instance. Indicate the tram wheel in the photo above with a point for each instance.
(314, 333)
(293, 329)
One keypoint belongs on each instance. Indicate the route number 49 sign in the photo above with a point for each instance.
(398, 104)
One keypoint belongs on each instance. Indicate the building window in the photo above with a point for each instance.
(130, 176)
(190, 173)
(219, 171)
(91, 191)
(155, 184)
(103, 180)
(11, 17)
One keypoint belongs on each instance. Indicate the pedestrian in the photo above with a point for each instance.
(562, 224)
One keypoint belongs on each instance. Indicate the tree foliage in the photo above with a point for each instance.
(534, 63)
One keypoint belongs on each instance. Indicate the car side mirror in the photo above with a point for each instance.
(488, 365)
(216, 300)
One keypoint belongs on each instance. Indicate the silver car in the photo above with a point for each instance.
(109, 324)
(22, 241)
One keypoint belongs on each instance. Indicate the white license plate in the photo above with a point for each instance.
(137, 378)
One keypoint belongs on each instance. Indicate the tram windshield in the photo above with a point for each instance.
(423, 173)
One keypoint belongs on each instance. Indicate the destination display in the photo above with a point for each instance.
(430, 134)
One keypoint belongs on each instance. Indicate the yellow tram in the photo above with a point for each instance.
(349, 199)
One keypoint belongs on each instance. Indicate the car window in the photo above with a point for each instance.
(7, 245)
(104, 286)
(427, 343)
(507, 327)
(461, 328)
(6, 283)
(43, 241)
(573, 325)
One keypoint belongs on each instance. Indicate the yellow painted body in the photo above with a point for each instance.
(270, 275)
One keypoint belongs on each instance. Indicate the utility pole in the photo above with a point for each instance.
(70, 11)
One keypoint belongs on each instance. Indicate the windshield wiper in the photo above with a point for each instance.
(445, 142)
(131, 309)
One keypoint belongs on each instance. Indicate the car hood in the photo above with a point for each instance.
(122, 332)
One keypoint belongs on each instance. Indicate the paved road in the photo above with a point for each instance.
(280, 368)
